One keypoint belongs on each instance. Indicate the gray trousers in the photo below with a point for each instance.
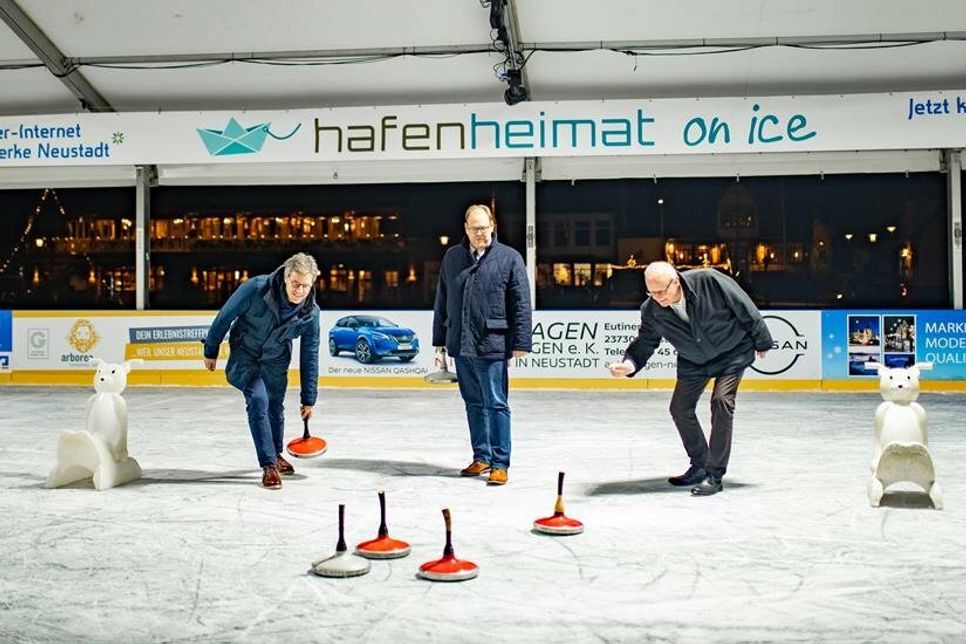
(684, 401)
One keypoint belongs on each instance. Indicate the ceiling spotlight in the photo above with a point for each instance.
(515, 92)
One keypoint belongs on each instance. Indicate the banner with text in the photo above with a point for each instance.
(896, 339)
(904, 120)
(45, 342)
(566, 344)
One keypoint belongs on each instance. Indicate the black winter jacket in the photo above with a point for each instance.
(482, 310)
(723, 332)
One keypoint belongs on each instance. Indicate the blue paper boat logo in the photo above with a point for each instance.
(235, 139)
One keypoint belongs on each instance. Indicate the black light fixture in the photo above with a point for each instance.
(496, 14)
(515, 91)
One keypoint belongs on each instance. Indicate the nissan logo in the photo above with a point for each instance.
(788, 345)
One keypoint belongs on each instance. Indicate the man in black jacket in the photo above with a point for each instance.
(716, 330)
(482, 317)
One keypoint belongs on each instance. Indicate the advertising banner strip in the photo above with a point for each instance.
(571, 349)
(719, 125)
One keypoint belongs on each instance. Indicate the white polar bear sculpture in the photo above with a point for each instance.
(100, 451)
(901, 445)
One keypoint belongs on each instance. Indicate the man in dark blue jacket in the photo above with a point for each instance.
(716, 330)
(482, 317)
(265, 314)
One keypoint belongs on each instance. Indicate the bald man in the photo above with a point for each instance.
(717, 331)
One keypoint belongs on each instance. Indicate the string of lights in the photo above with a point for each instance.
(31, 220)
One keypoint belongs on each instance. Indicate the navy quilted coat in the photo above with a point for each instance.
(260, 343)
(483, 309)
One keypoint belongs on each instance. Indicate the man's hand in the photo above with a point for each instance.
(761, 354)
(305, 411)
(621, 369)
(210, 363)
(438, 359)
(518, 353)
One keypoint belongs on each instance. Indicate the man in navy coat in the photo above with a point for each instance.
(482, 317)
(265, 314)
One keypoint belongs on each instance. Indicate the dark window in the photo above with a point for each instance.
(70, 248)
(877, 240)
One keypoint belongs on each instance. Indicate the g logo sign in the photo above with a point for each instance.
(38, 341)
(788, 345)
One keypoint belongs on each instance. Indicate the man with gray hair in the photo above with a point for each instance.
(265, 314)
(716, 330)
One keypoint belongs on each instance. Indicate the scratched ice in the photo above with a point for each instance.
(197, 551)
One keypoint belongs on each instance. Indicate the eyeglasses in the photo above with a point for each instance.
(478, 230)
(663, 291)
(299, 286)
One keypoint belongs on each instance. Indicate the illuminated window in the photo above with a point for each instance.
(601, 273)
(582, 274)
(338, 279)
(562, 275)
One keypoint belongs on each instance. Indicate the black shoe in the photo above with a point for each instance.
(707, 487)
(695, 474)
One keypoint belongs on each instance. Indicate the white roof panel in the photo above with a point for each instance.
(124, 29)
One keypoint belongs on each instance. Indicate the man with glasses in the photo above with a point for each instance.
(265, 314)
(482, 317)
(717, 331)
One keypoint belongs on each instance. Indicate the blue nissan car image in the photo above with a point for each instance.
(371, 337)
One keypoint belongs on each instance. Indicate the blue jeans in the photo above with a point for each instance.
(483, 386)
(266, 420)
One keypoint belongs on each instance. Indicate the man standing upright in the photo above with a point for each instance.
(717, 331)
(265, 314)
(482, 317)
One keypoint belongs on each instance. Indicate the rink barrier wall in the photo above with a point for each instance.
(195, 378)
(813, 350)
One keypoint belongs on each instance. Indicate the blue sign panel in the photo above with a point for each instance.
(851, 339)
(6, 331)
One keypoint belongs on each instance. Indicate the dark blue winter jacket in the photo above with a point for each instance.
(260, 343)
(483, 309)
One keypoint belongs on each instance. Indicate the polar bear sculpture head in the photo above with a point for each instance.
(900, 384)
(111, 378)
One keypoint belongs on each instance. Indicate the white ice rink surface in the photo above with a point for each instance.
(196, 551)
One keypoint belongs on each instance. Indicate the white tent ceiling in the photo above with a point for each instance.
(95, 33)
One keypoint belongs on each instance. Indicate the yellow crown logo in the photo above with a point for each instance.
(83, 336)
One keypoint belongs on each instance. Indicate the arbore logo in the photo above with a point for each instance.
(788, 346)
(83, 336)
(235, 139)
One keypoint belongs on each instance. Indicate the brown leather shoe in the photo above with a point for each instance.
(270, 478)
(475, 469)
(284, 467)
(498, 476)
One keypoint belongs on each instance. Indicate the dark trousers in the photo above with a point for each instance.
(266, 420)
(684, 401)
